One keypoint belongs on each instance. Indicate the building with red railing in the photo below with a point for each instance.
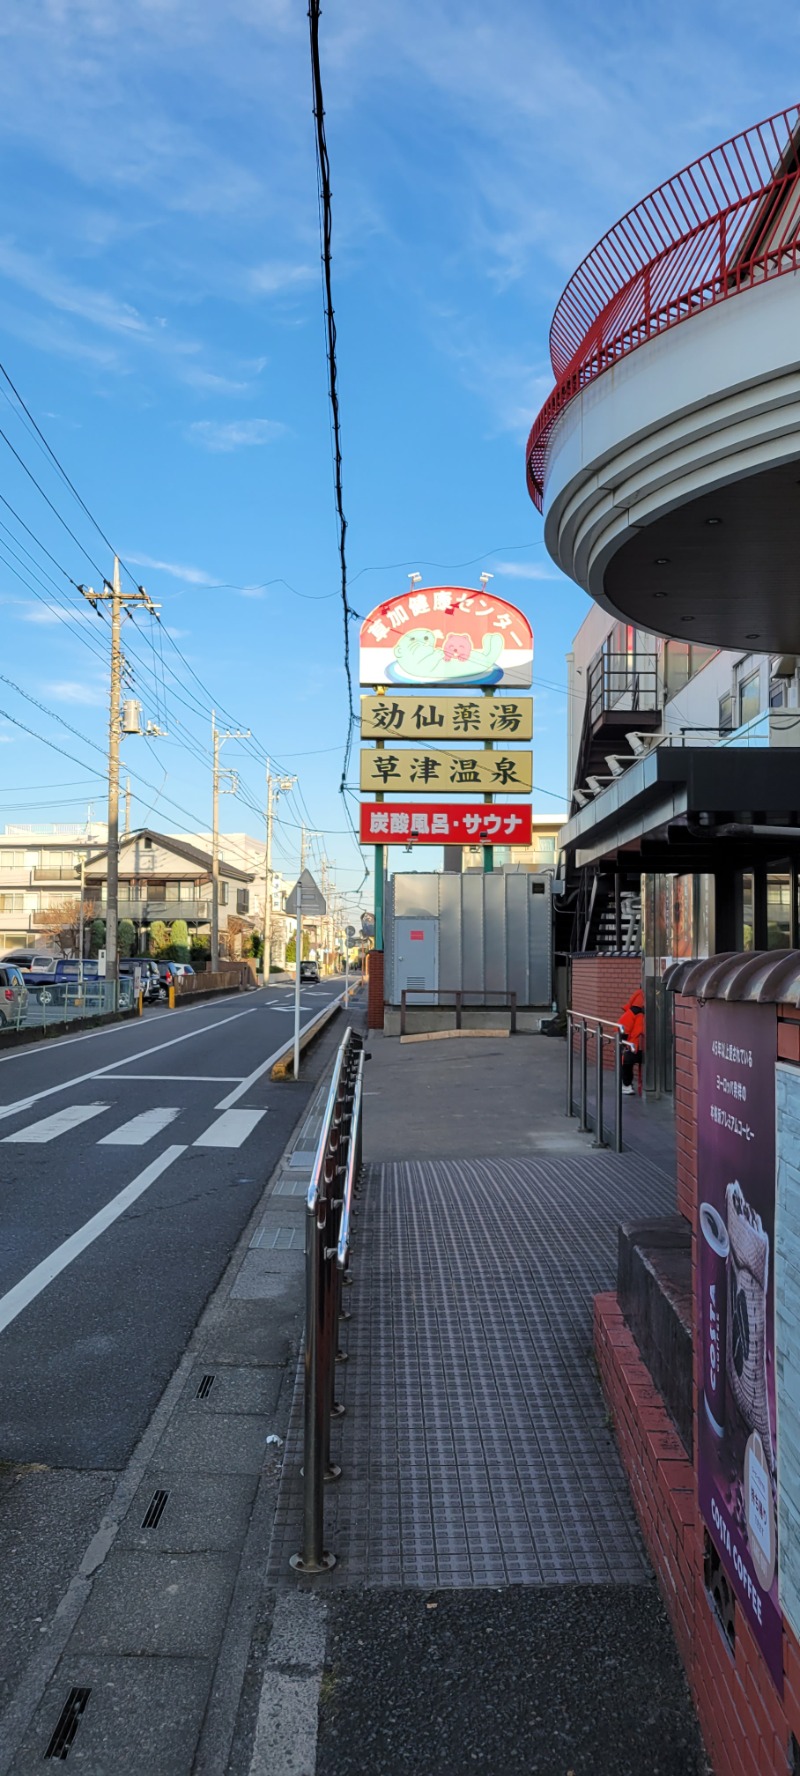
(665, 459)
(666, 463)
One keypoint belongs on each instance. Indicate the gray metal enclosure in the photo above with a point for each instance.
(492, 933)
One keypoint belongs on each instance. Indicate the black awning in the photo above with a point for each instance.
(693, 808)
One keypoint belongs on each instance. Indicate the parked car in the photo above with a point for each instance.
(37, 961)
(180, 969)
(309, 971)
(148, 974)
(13, 994)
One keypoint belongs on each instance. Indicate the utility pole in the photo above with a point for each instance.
(218, 739)
(276, 786)
(112, 594)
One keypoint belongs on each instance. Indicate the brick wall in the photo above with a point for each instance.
(601, 986)
(745, 1725)
(375, 989)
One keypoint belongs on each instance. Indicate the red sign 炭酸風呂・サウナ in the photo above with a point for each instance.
(403, 823)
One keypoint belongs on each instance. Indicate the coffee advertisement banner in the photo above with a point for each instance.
(737, 1446)
(427, 772)
(447, 718)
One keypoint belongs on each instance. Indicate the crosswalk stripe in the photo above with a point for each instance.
(139, 1129)
(49, 1127)
(230, 1129)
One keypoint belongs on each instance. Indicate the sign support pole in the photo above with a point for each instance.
(488, 850)
(298, 951)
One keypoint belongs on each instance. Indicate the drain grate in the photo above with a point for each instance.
(155, 1510)
(67, 1724)
(205, 1387)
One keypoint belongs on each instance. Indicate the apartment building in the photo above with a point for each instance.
(161, 876)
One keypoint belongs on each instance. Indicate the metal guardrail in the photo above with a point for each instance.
(67, 1002)
(329, 1203)
(583, 1025)
(459, 995)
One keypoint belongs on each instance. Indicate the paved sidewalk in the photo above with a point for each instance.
(492, 1604)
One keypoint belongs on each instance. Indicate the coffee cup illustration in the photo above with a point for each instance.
(714, 1249)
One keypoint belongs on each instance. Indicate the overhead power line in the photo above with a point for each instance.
(326, 230)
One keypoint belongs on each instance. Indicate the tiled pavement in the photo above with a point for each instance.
(475, 1448)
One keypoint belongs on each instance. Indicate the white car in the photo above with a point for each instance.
(179, 968)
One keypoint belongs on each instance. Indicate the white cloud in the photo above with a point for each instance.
(192, 576)
(68, 690)
(50, 613)
(525, 570)
(277, 275)
(234, 434)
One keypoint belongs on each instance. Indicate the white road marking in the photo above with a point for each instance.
(230, 1129)
(25, 1053)
(258, 1072)
(128, 1061)
(36, 1280)
(140, 1129)
(285, 1742)
(50, 1127)
(184, 1078)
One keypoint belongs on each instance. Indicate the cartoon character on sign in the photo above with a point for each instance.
(429, 656)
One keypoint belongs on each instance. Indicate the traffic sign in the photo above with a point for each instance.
(306, 898)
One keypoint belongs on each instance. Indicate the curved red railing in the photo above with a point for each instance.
(727, 222)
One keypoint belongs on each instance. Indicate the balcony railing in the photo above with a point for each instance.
(727, 222)
(56, 875)
(622, 683)
(147, 910)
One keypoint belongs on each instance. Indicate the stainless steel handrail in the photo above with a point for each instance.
(327, 1118)
(328, 1203)
(353, 1169)
(605, 1030)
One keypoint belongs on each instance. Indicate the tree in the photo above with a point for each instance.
(291, 947)
(159, 937)
(199, 953)
(256, 945)
(234, 931)
(62, 922)
(126, 937)
(97, 937)
(179, 940)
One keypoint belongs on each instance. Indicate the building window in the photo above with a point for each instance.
(172, 891)
(223, 894)
(748, 914)
(242, 900)
(779, 901)
(12, 859)
(726, 713)
(777, 693)
(11, 903)
(749, 698)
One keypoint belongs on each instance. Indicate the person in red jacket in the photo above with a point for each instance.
(631, 1024)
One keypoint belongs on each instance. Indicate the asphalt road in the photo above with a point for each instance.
(130, 1160)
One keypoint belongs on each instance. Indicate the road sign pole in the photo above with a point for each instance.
(298, 951)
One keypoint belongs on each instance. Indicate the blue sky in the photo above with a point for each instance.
(160, 311)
